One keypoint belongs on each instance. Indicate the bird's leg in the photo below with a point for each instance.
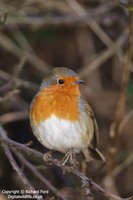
(70, 156)
(47, 156)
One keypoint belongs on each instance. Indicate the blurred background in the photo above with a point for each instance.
(88, 36)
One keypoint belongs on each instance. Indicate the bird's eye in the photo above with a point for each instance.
(60, 81)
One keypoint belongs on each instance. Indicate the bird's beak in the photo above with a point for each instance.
(79, 81)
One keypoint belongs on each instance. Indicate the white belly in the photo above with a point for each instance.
(62, 135)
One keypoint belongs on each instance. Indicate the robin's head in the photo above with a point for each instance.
(62, 79)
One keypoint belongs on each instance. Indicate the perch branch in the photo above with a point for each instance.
(86, 182)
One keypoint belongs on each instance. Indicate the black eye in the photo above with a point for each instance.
(60, 81)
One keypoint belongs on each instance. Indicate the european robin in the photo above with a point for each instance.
(61, 118)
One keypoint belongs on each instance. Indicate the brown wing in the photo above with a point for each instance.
(91, 117)
(94, 152)
(95, 140)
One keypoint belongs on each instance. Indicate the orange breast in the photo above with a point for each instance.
(61, 104)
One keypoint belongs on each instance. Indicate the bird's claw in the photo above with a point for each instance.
(47, 156)
(70, 156)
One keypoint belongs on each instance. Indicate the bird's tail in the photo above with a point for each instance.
(93, 153)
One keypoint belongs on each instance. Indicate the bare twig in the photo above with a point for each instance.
(21, 39)
(3, 18)
(20, 66)
(13, 116)
(102, 57)
(18, 82)
(16, 167)
(95, 27)
(93, 24)
(38, 174)
(8, 96)
(67, 19)
(121, 101)
(118, 169)
(124, 121)
(7, 43)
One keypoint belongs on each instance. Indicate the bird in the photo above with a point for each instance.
(61, 118)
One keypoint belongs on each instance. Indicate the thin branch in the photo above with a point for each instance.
(118, 169)
(9, 95)
(124, 122)
(3, 18)
(21, 39)
(121, 101)
(95, 27)
(102, 57)
(38, 174)
(16, 167)
(67, 19)
(92, 24)
(6, 86)
(18, 82)
(20, 66)
(8, 44)
(13, 116)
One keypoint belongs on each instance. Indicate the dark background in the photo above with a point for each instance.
(36, 36)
